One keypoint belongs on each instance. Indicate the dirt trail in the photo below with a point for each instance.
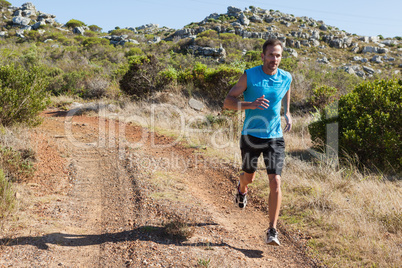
(111, 208)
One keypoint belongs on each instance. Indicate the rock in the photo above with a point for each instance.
(233, 11)
(365, 39)
(357, 58)
(382, 50)
(376, 59)
(390, 42)
(21, 21)
(323, 60)
(374, 39)
(255, 18)
(370, 49)
(27, 5)
(368, 70)
(3, 34)
(79, 30)
(355, 50)
(244, 20)
(269, 19)
(323, 27)
(315, 43)
(315, 34)
(361, 74)
(291, 52)
(38, 24)
(195, 104)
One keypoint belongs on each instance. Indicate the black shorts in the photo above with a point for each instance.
(273, 151)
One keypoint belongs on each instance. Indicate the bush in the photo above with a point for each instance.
(369, 124)
(4, 3)
(322, 96)
(74, 23)
(6, 196)
(95, 28)
(17, 164)
(22, 94)
(141, 79)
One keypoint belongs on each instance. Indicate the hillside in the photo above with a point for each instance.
(115, 150)
(305, 38)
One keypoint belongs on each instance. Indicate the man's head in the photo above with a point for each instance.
(271, 42)
(271, 55)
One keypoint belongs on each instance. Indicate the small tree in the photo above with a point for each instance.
(22, 94)
(74, 23)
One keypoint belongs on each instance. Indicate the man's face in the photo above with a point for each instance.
(271, 59)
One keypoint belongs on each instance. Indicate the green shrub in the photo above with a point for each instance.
(141, 79)
(134, 51)
(252, 55)
(4, 3)
(6, 196)
(369, 124)
(74, 23)
(22, 94)
(168, 76)
(91, 42)
(322, 96)
(95, 28)
(209, 34)
(122, 32)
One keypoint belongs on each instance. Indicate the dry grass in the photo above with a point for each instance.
(353, 219)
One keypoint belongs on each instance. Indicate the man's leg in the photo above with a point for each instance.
(245, 179)
(275, 199)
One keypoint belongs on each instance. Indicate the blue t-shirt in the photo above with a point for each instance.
(265, 124)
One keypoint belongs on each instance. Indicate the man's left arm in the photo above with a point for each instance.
(286, 108)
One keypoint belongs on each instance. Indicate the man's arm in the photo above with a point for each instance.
(231, 102)
(286, 108)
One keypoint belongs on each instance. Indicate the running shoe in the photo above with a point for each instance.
(272, 237)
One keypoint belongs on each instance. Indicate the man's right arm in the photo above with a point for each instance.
(231, 102)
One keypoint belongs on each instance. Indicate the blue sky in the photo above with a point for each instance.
(362, 17)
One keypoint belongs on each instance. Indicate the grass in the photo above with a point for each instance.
(7, 199)
(350, 218)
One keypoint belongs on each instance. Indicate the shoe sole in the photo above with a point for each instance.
(237, 204)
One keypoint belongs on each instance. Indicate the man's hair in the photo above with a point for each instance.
(271, 42)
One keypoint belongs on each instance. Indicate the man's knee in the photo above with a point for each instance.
(274, 182)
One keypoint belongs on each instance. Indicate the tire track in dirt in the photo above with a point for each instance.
(116, 210)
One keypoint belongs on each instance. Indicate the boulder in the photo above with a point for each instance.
(22, 21)
(269, 19)
(27, 5)
(382, 50)
(3, 34)
(233, 11)
(79, 30)
(368, 70)
(324, 27)
(244, 20)
(195, 104)
(323, 60)
(365, 39)
(38, 24)
(370, 49)
(255, 18)
(376, 59)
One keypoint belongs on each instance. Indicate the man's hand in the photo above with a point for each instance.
(261, 103)
(288, 126)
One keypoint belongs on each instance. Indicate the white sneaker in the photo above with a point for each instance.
(272, 237)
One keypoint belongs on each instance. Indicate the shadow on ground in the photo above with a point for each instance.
(143, 233)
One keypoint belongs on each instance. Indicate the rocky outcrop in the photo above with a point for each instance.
(216, 53)
(119, 39)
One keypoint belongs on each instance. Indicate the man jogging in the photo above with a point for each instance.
(263, 88)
